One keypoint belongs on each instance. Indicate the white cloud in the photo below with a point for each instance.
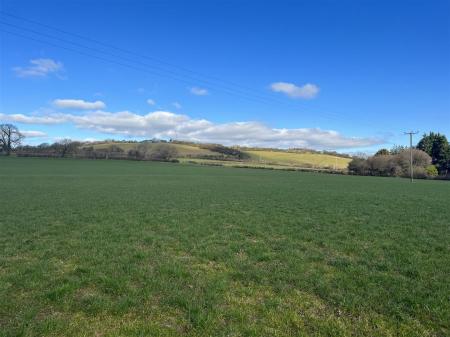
(163, 124)
(33, 134)
(151, 101)
(306, 91)
(78, 104)
(199, 91)
(90, 140)
(177, 105)
(40, 68)
(44, 119)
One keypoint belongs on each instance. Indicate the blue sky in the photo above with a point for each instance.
(345, 75)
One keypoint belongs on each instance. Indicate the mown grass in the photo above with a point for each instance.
(122, 248)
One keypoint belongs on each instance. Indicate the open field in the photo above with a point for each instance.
(299, 159)
(124, 248)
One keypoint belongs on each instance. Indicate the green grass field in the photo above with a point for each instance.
(124, 248)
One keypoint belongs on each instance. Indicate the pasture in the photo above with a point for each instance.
(277, 159)
(123, 248)
(315, 160)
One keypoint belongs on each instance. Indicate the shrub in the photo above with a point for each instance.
(358, 166)
(420, 158)
(420, 172)
(381, 165)
(431, 171)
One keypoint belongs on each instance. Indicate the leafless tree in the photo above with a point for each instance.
(10, 137)
(66, 147)
(162, 152)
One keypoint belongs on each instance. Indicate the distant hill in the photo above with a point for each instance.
(214, 154)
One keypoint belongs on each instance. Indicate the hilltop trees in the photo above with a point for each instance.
(436, 145)
(10, 137)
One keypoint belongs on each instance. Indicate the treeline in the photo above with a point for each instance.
(394, 165)
(431, 159)
(158, 151)
(225, 152)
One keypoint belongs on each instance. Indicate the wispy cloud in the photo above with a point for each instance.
(151, 101)
(199, 91)
(177, 105)
(163, 124)
(40, 68)
(78, 104)
(33, 134)
(306, 91)
(45, 119)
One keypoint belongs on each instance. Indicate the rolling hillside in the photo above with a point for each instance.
(315, 160)
(279, 159)
(183, 150)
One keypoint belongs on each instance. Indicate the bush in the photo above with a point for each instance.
(420, 173)
(358, 166)
(420, 158)
(431, 171)
(381, 165)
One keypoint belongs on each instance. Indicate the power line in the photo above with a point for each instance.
(158, 72)
(227, 83)
(115, 47)
(246, 92)
(154, 70)
(231, 91)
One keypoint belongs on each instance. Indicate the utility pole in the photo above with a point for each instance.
(411, 133)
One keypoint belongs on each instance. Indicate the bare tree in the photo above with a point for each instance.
(10, 137)
(66, 146)
(162, 152)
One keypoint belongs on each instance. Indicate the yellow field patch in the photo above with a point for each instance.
(315, 160)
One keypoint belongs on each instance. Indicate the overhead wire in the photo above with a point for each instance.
(154, 70)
